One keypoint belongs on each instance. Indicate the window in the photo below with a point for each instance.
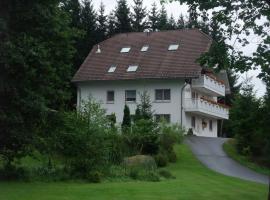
(131, 95)
(112, 69)
(125, 49)
(193, 122)
(160, 117)
(145, 48)
(110, 96)
(132, 68)
(163, 94)
(173, 47)
(210, 125)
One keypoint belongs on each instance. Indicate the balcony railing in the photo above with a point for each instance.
(207, 108)
(209, 85)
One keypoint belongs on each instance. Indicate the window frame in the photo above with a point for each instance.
(163, 95)
(145, 48)
(112, 69)
(132, 68)
(130, 101)
(110, 101)
(173, 47)
(125, 49)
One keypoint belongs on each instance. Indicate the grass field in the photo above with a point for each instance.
(230, 149)
(193, 181)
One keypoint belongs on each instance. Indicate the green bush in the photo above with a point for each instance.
(161, 160)
(94, 177)
(166, 174)
(172, 156)
(140, 161)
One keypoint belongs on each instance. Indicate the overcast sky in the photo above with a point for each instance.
(176, 9)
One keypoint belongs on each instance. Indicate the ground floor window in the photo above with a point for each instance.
(166, 117)
(110, 96)
(193, 122)
(131, 95)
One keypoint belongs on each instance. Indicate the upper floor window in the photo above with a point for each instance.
(112, 69)
(145, 48)
(110, 96)
(173, 47)
(132, 68)
(130, 95)
(163, 94)
(125, 49)
(160, 117)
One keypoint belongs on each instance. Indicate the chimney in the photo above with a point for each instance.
(98, 49)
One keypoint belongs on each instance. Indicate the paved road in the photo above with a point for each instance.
(209, 151)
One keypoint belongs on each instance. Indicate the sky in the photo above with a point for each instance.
(176, 9)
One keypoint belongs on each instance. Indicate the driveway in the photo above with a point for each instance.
(210, 152)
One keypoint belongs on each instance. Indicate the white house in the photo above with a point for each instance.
(119, 69)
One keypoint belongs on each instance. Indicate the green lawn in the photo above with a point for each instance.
(193, 181)
(230, 149)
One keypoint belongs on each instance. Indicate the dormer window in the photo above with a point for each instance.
(173, 47)
(145, 48)
(112, 69)
(132, 68)
(125, 49)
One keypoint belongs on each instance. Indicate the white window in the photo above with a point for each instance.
(130, 95)
(163, 94)
(173, 47)
(160, 117)
(125, 50)
(132, 68)
(110, 96)
(145, 48)
(112, 69)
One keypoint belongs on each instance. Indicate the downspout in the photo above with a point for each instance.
(187, 81)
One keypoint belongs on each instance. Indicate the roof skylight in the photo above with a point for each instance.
(132, 68)
(125, 49)
(173, 47)
(145, 48)
(112, 69)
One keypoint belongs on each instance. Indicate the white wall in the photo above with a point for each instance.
(98, 90)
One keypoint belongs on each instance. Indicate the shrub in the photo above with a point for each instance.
(190, 131)
(161, 160)
(10, 172)
(94, 177)
(172, 156)
(166, 174)
(140, 161)
(143, 175)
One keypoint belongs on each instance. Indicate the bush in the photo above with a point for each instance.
(161, 160)
(140, 161)
(166, 174)
(190, 131)
(94, 177)
(144, 175)
(10, 172)
(172, 156)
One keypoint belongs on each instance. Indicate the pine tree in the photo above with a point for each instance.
(181, 22)
(89, 25)
(126, 123)
(163, 19)
(111, 24)
(145, 106)
(138, 16)
(171, 23)
(153, 17)
(123, 19)
(102, 23)
(73, 7)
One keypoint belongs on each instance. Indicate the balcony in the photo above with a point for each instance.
(206, 108)
(209, 85)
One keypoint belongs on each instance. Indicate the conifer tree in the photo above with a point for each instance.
(102, 23)
(163, 19)
(193, 16)
(153, 18)
(111, 24)
(123, 17)
(138, 16)
(171, 23)
(181, 22)
(126, 123)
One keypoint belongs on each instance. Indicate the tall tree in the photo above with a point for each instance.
(126, 123)
(153, 17)
(89, 26)
(138, 16)
(171, 23)
(111, 24)
(123, 17)
(102, 23)
(163, 19)
(181, 22)
(36, 59)
(193, 16)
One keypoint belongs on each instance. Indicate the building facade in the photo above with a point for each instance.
(119, 70)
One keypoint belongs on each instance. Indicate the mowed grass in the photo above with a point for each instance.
(193, 181)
